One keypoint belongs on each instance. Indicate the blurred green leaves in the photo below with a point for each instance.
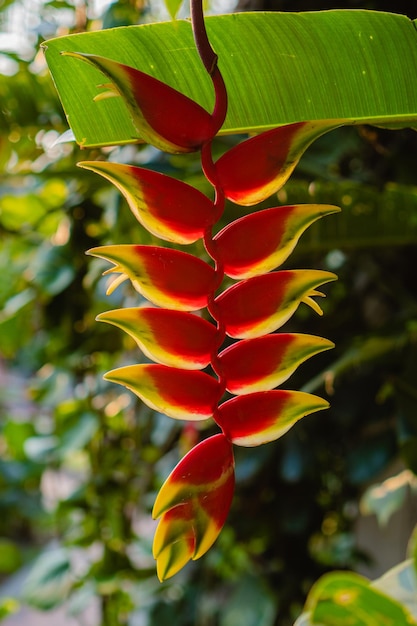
(10, 556)
(173, 7)
(8, 606)
(388, 497)
(50, 579)
(251, 604)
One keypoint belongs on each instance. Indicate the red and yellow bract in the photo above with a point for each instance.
(168, 337)
(264, 416)
(166, 277)
(193, 504)
(261, 241)
(182, 394)
(258, 167)
(165, 206)
(163, 116)
(262, 304)
(265, 362)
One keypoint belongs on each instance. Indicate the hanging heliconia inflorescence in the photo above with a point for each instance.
(194, 502)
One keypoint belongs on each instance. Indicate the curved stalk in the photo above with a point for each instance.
(209, 59)
(212, 249)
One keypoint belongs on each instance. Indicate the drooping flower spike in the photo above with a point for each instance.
(174, 330)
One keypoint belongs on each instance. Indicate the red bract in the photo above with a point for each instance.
(159, 274)
(264, 416)
(266, 362)
(193, 504)
(262, 304)
(164, 117)
(182, 394)
(194, 501)
(261, 241)
(169, 337)
(166, 207)
(258, 167)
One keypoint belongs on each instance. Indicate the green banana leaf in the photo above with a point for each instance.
(349, 66)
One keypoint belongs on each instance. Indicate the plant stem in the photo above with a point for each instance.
(205, 51)
(209, 60)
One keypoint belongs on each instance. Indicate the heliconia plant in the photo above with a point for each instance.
(247, 298)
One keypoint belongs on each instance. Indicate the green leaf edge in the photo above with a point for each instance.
(379, 586)
(247, 58)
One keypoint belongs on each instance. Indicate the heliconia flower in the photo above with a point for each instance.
(261, 417)
(260, 305)
(181, 394)
(168, 278)
(263, 363)
(258, 167)
(193, 505)
(163, 117)
(165, 206)
(174, 338)
(261, 241)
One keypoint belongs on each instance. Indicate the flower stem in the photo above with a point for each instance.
(205, 51)
(209, 60)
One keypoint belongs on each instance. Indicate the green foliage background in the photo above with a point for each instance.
(81, 461)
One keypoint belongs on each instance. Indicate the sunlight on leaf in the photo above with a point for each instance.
(354, 70)
(344, 598)
(173, 7)
(388, 497)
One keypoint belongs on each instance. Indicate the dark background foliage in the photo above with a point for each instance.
(405, 7)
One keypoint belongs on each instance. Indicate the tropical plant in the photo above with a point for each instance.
(194, 501)
(116, 481)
